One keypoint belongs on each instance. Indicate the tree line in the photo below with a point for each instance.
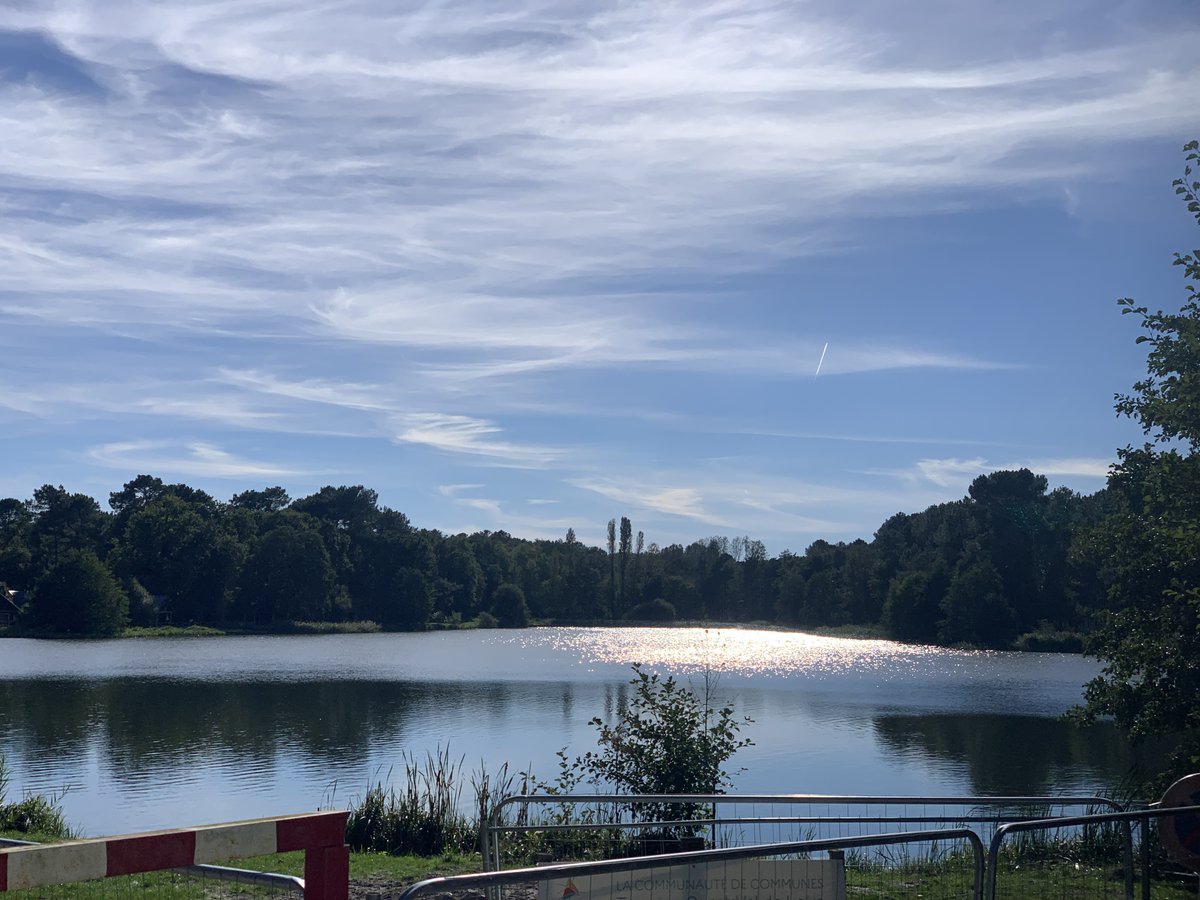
(983, 570)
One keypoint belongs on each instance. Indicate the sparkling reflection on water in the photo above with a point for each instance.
(151, 733)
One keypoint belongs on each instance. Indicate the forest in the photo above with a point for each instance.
(1008, 565)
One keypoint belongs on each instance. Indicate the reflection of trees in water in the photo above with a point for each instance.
(146, 726)
(1010, 754)
(53, 717)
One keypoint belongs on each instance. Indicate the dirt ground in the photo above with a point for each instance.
(381, 888)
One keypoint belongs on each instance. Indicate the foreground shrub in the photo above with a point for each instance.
(667, 740)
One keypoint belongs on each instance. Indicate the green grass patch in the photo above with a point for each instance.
(157, 631)
(376, 870)
(1048, 639)
(365, 626)
(854, 632)
(372, 866)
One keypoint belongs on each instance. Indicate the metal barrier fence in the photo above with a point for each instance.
(551, 826)
(874, 873)
(25, 866)
(1078, 862)
(244, 877)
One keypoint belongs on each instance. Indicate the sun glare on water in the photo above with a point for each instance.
(738, 651)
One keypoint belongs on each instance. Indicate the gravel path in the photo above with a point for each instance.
(382, 888)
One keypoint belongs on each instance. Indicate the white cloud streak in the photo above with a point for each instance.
(443, 175)
(196, 459)
(953, 471)
(475, 437)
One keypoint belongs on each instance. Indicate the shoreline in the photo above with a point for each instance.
(1032, 642)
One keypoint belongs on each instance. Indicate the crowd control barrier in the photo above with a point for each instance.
(320, 835)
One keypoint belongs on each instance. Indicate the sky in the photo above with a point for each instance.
(777, 269)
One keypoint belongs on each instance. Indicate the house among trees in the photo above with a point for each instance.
(10, 606)
(162, 609)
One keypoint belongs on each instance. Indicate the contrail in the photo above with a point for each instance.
(821, 362)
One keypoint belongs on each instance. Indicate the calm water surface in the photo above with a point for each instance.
(153, 733)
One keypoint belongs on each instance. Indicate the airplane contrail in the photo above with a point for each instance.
(821, 362)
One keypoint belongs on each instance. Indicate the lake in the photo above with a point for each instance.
(152, 733)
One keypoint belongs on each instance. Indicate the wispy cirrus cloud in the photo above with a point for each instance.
(687, 502)
(471, 436)
(443, 174)
(188, 459)
(745, 501)
(955, 471)
(367, 397)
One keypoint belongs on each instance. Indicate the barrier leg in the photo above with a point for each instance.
(327, 873)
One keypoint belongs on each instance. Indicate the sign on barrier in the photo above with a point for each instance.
(1181, 833)
(801, 879)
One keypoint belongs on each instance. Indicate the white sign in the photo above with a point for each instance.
(800, 879)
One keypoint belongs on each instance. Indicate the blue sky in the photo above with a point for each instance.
(535, 265)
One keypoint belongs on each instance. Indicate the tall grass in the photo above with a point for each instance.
(35, 815)
(424, 816)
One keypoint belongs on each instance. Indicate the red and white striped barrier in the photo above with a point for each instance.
(320, 835)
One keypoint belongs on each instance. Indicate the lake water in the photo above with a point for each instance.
(154, 733)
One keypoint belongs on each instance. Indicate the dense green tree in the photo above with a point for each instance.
(410, 602)
(1149, 641)
(180, 549)
(345, 508)
(139, 493)
(509, 607)
(288, 576)
(1016, 536)
(79, 595)
(272, 499)
(62, 523)
(974, 607)
(16, 558)
(385, 586)
(791, 590)
(462, 577)
(913, 606)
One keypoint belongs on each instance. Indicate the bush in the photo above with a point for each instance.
(656, 610)
(667, 740)
(35, 815)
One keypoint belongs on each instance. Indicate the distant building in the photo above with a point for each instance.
(162, 609)
(10, 606)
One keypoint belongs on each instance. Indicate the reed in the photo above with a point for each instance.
(421, 816)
